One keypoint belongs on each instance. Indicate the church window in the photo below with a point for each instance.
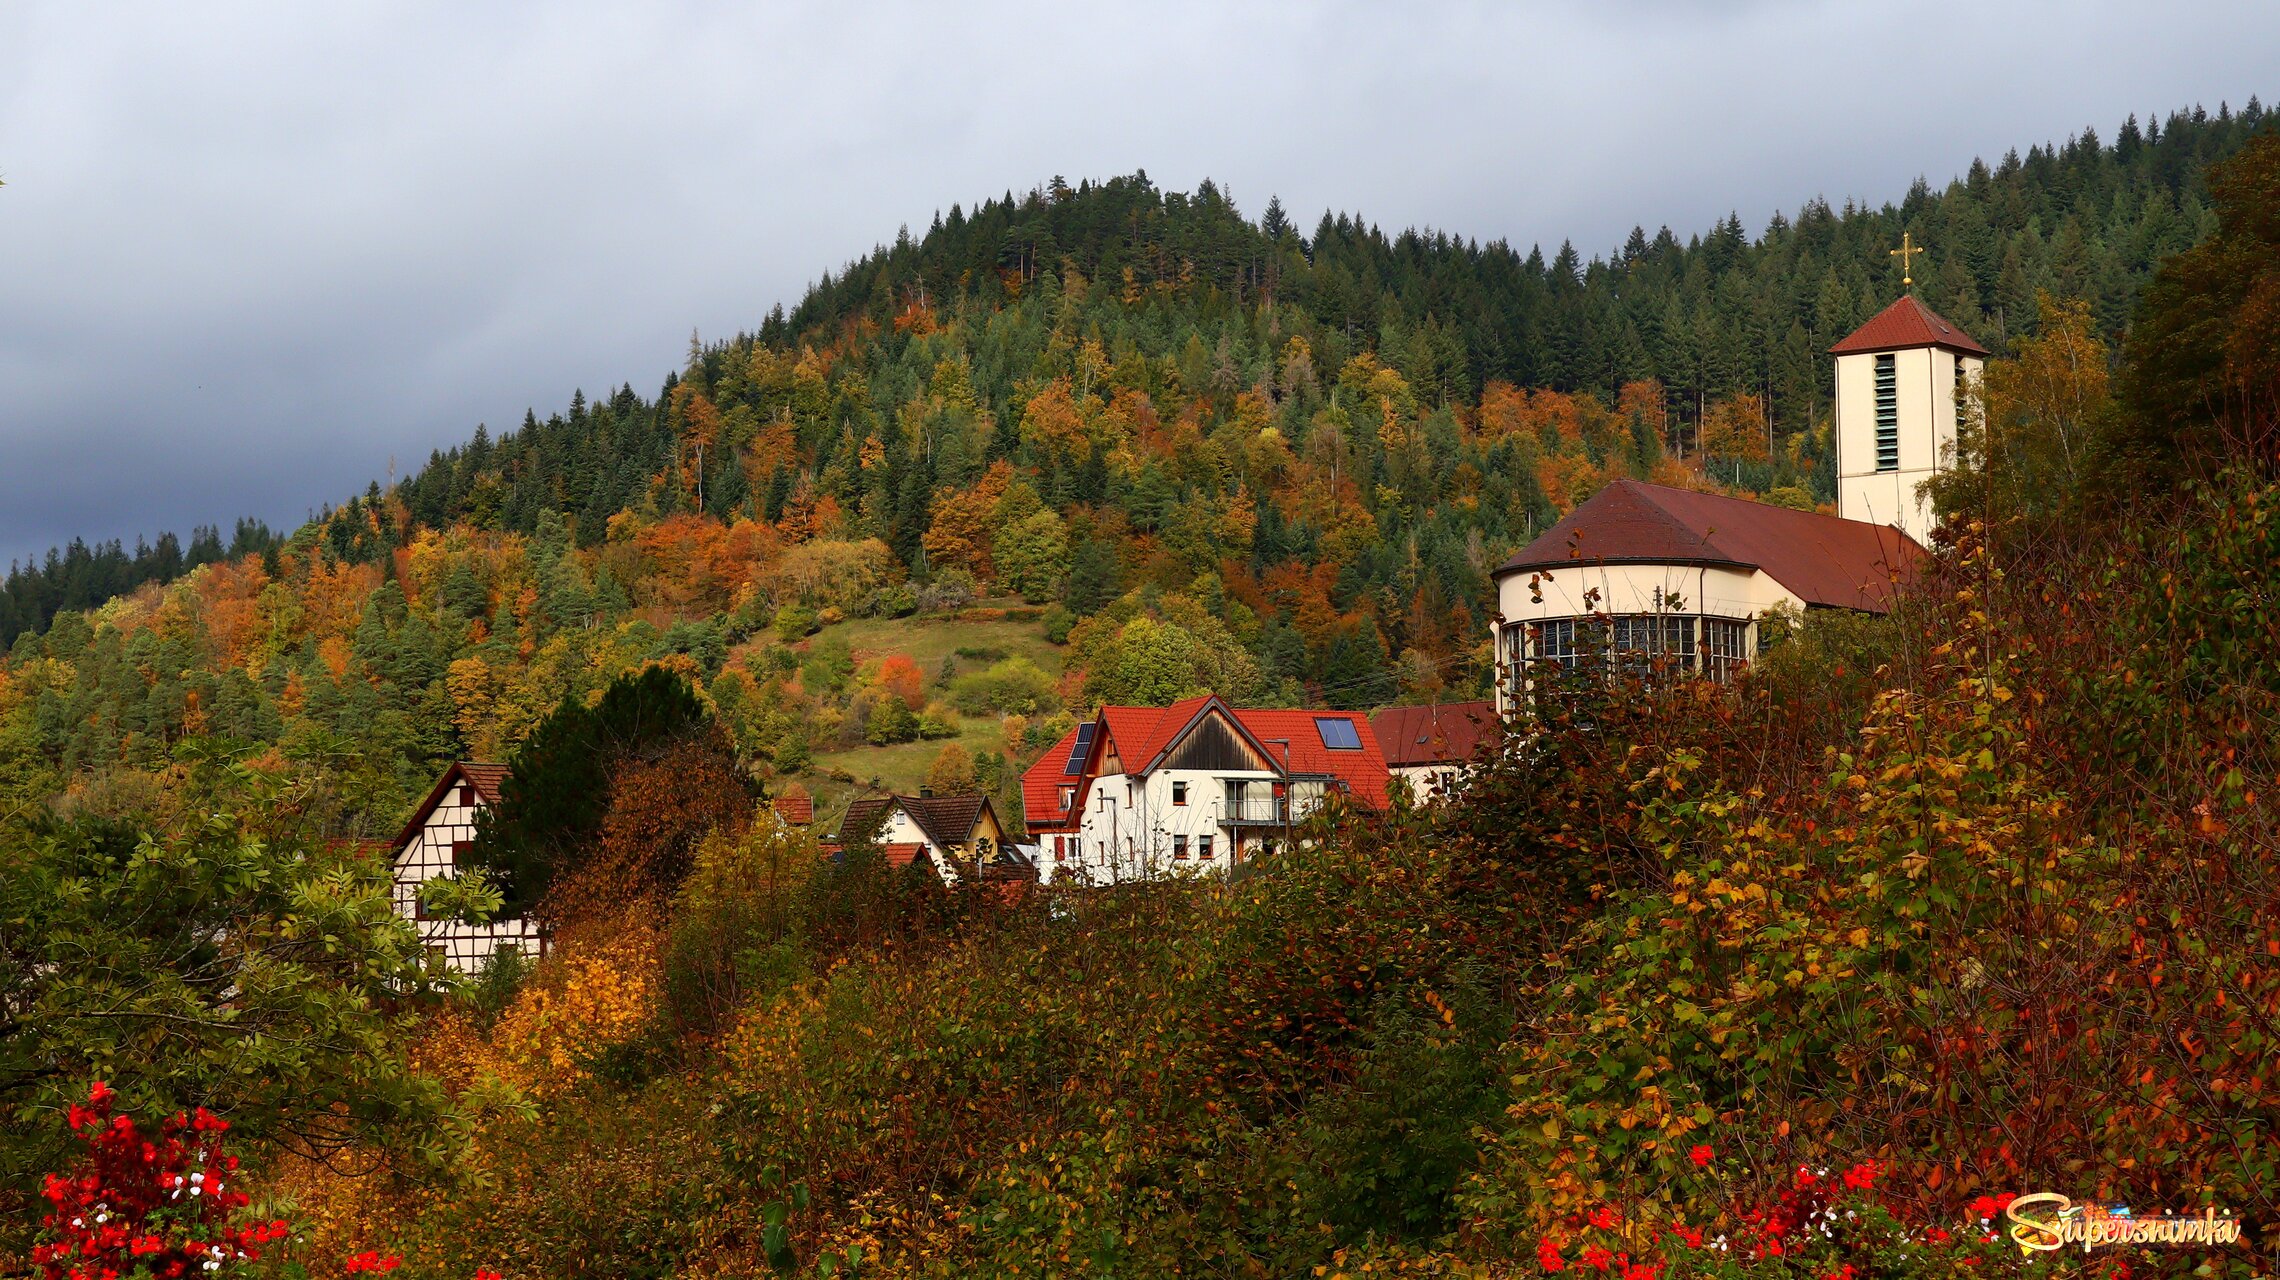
(1555, 641)
(1652, 642)
(1725, 646)
(1887, 413)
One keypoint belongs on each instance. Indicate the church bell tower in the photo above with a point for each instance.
(1898, 403)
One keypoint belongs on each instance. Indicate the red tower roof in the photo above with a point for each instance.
(1908, 323)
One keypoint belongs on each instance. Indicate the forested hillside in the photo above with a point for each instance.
(1206, 451)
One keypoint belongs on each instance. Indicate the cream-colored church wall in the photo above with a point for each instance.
(1567, 592)
(1637, 588)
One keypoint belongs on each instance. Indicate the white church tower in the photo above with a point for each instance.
(1898, 403)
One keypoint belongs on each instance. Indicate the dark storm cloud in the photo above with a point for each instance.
(251, 256)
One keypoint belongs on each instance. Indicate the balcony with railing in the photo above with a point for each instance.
(1255, 811)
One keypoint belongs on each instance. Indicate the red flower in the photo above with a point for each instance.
(1603, 1218)
(1597, 1258)
(371, 1261)
(481, 1274)
(1547, 1256)
(1861, 1176)
(1701, 1155)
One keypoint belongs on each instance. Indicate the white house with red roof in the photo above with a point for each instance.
(1139, 793)
(439, 833)
(1676, 580)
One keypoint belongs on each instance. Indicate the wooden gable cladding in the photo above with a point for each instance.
(1213, 743)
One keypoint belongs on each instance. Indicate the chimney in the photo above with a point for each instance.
(926, 793)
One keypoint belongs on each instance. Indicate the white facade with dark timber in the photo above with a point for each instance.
(440, 831)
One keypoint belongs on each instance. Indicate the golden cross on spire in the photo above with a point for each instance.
(1908, 249)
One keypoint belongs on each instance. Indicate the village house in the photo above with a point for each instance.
(1141, 793)
(943, 832)
(442, 829)
(1429, 747)
(1679, 582)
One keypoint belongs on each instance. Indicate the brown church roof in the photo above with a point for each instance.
(1442, 733)
(1822, 560)
(1907, 323)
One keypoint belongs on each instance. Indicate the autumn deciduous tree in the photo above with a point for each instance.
(952, 772)
(2028, 436)
(1736, 427)
(965, 525)
(662, 802)
(558, 795)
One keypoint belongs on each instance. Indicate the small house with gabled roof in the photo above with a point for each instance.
(438, 834)
(1430, 746)
(943, 832)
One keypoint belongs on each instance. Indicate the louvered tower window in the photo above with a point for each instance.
(1887, 414)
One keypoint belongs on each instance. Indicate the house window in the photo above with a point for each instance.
(1338, 734)
(1203, 846)
(1725, 646)
(459, 849)
(1887, 414)
(1179, 793)
(1179, 847)
(1068, 797)
(1060, 848)
(982, 847)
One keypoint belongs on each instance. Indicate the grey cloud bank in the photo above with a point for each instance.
(251, 257)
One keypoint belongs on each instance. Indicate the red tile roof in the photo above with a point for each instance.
(1823, 560)
(902, 855)
(1041, 785)
(1361, 769)
(1441, 733)
(795, 808)
(1141, 734)
(1907, 323)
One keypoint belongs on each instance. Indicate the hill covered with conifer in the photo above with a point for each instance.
(1134, 442)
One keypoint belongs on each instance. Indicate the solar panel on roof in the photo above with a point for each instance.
(1077, 752)
(1338, 734)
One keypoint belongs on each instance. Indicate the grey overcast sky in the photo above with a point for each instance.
(252, 256)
